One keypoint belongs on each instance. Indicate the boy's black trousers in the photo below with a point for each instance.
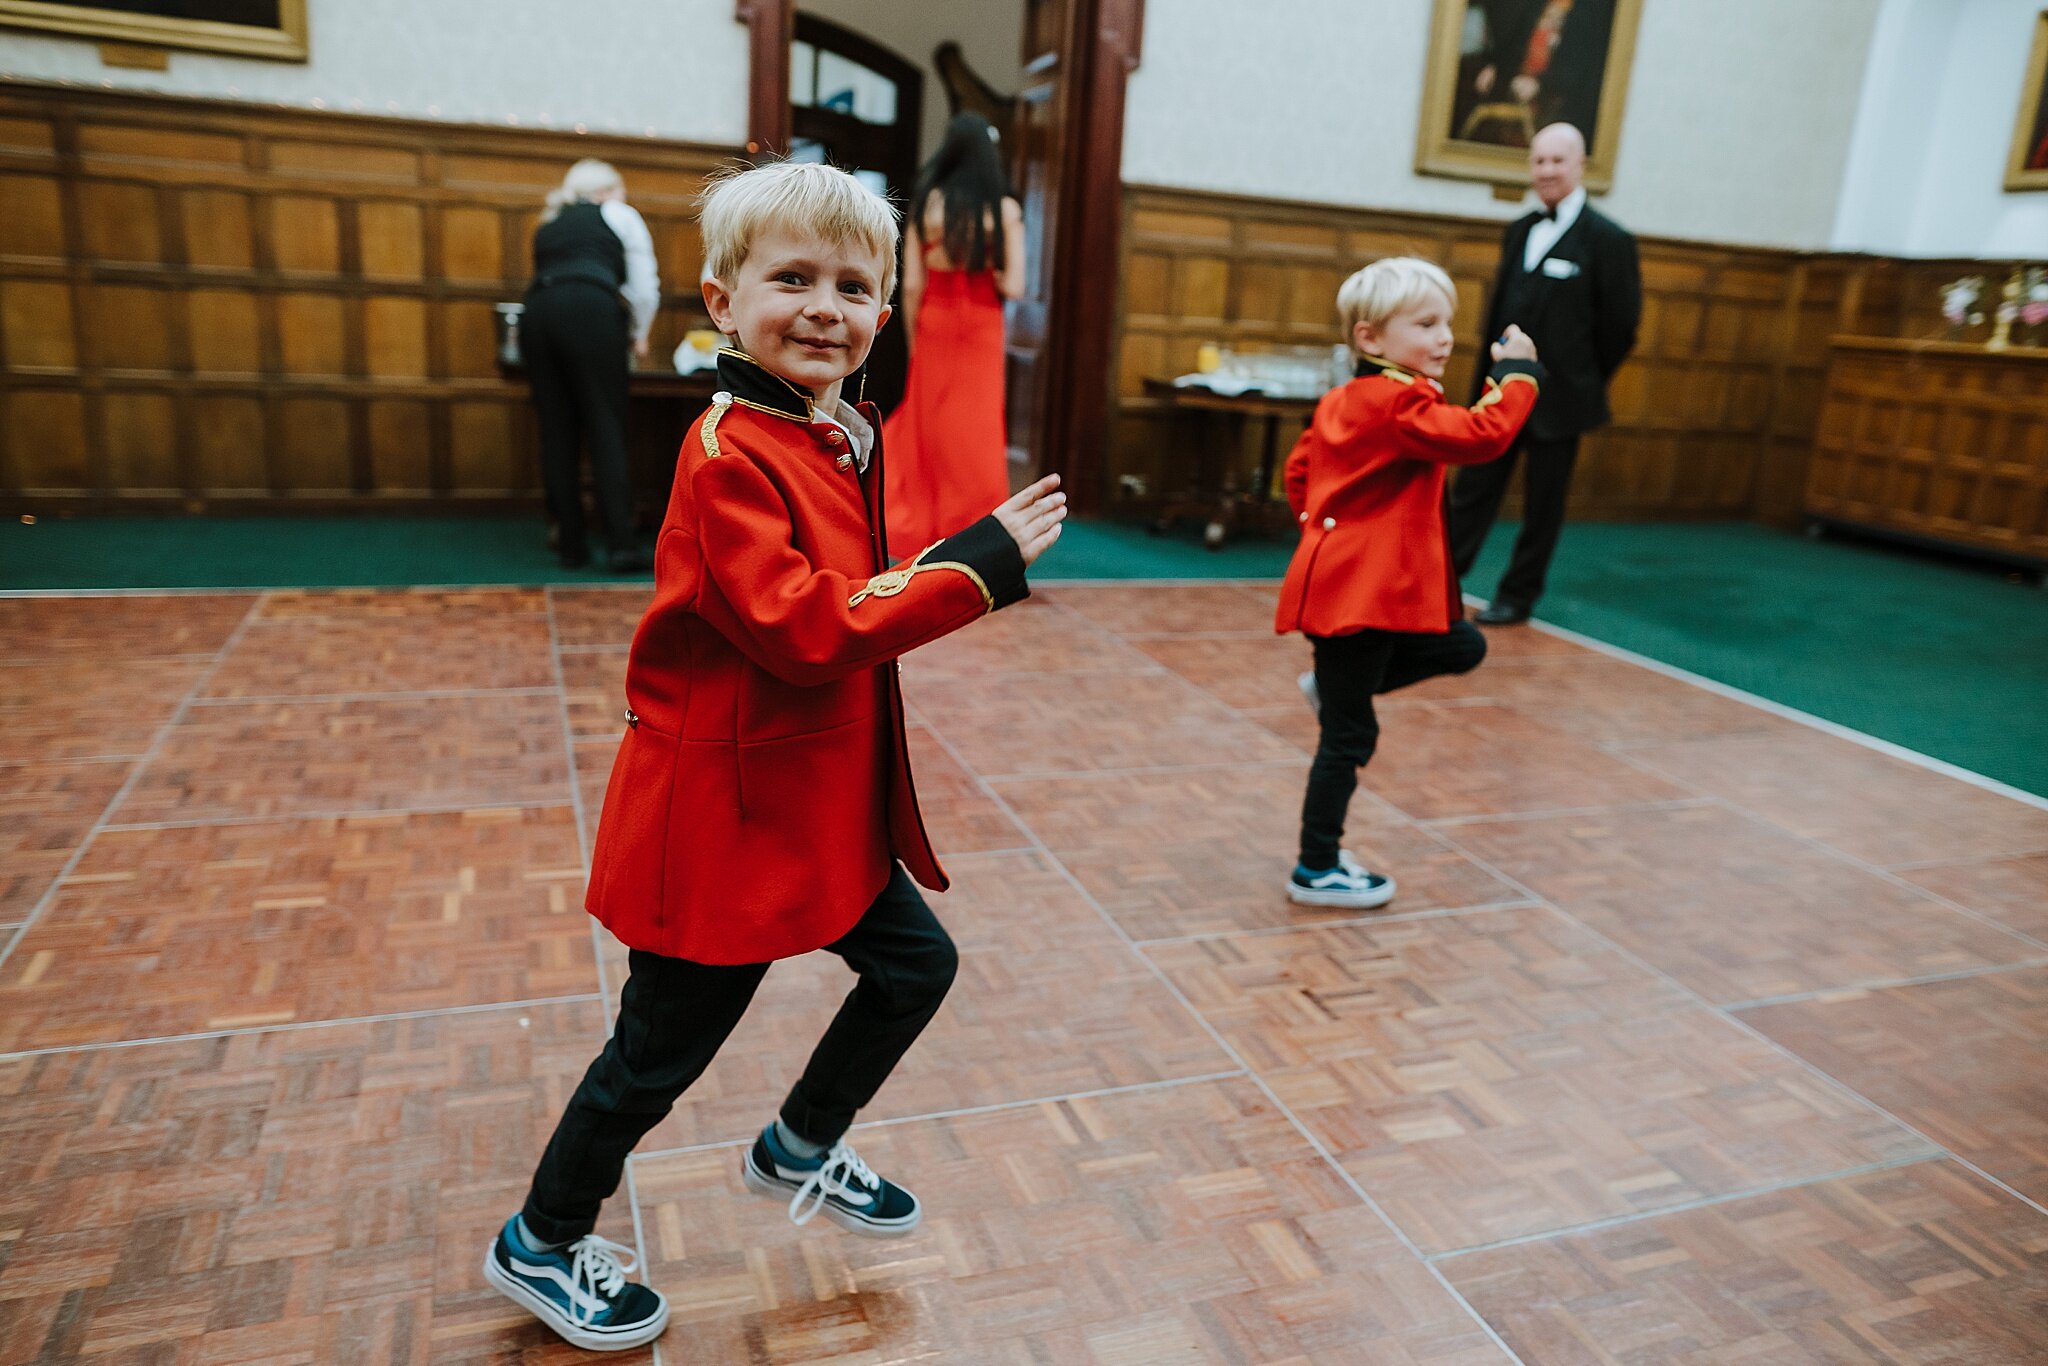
(573, 340)
(673, 1017)
(1350, 671)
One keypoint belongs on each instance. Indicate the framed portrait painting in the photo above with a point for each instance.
(1501, 69)
(2026, 166)
(246, 28)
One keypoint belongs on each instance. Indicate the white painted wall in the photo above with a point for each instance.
(1740, 112)
(1926, 168)
(990, 33)
(665, 68)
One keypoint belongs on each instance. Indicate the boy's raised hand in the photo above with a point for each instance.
(1514, 344)
(1033, 515)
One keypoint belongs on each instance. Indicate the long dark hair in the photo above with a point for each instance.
(968, 172)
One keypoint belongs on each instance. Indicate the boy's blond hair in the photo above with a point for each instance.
(806, 198)
(1387, 286)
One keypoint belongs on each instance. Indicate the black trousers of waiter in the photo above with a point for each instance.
(573, 337)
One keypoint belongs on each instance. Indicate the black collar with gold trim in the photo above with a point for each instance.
(758, 387)
(1379, 365)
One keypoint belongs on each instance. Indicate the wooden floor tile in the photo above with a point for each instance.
(1013, 724)
(1186, 1224)
(1733, 908)
(1965, 1062)
(131, 626)
(1240, 671)
(322, 656)
(1209, 850)
(600, 616)
(959, 817)
(1048, 1002)
(1438, 760)
(1136, 609)
(1877, 808)
(594, 687)
(396, 606)
(1497, 1074)
(1917, 1265)
(285, 758)
(2014, 892)
(73, 706)
(594, 759)
(1526, 642)
(1035, 636)
(318, 1194)
(161, 932)
(45, 811)
(1601, 701)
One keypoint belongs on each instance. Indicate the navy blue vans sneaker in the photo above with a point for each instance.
(580, 1291)
(837, 1182)
(1348, 886)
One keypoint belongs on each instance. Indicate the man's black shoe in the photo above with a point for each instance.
(629, 561)
(1500, 612)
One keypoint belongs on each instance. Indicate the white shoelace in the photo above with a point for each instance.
(602, 1265)
(842, 1173)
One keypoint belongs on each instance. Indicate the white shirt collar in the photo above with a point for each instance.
(859, 434)
(1544, 232)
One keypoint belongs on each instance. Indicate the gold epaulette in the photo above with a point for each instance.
(891, 582)
(720, 401)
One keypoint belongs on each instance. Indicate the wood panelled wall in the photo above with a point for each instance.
(1714, 414)
(215, 305)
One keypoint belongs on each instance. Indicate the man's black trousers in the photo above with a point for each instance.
(1475, 502)
(1350, 671)
(673, 1017)
(573, 339)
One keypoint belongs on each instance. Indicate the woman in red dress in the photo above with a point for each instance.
(946, 445)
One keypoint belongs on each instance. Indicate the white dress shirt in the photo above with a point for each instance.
(1544, 232)
(642, 290)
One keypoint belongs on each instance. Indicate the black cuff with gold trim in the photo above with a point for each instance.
(1532, 368)
(990, 551)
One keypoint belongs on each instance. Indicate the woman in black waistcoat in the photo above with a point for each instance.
(592, 301)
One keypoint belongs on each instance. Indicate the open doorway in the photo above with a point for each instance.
(1062, 96)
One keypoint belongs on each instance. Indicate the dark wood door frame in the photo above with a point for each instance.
(1103, 49)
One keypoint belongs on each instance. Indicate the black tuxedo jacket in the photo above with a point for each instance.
(1581, 304)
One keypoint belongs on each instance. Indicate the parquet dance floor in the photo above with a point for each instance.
(1696, 1034)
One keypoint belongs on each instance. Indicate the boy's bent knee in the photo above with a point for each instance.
(1471, 642)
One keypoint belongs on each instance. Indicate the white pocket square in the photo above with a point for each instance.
(1559, 270)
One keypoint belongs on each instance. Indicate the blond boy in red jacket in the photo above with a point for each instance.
(1371, 583)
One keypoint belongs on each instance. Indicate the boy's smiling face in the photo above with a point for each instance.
(1418, 338)
(806, 309)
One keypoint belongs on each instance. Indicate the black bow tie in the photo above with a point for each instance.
(1549, 215)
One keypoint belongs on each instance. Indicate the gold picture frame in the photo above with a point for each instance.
(1476, 117)
(285, 42)
(2026, 165)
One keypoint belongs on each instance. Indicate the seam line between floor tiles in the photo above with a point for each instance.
(1813, 1069)
(280, 699)
(575, 779)
(966, 1111)
(362, 814)
(149, 753)
(1216, 1037)
(298, 1026)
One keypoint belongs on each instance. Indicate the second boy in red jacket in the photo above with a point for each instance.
(1371, 583)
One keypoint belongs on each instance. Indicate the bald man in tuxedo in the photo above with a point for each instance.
(1569, 278)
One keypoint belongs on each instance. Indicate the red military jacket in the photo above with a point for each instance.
(1366, 482)
(762, 791)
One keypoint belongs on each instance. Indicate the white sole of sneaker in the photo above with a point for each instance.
(595, 1340)
(1350, 901)
(760, 1183)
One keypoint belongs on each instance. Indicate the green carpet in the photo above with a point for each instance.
(1940, 657)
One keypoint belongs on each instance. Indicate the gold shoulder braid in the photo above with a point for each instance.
(894, 581)
(720, 401)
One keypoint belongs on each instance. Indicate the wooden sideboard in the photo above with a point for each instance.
(1942, 442)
